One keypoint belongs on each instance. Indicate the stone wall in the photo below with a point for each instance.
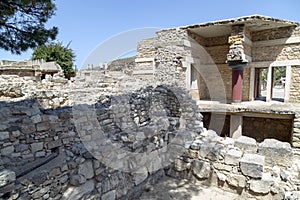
(295, 84)
(276, 33)
(272, 53)
(46, 151)
(146, 48)
(225, 72)
(122, 64)
(216, 47)
(49, 92)
(261, 128)
(264, 170)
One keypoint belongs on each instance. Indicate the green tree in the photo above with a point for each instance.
(62, 55)
(22, 24)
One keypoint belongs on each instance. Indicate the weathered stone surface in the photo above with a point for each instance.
(6, 151)
(28, 128)
(21, 147)
(276, 152)
(262, 186)
(86, 169)
(77, 193)
(43, 126)
(6, 177)
(54, 144)
(4, 135)
(201, 169)
(180, 165)
(41, 192)
(222, 167)
(140, 175)
(36, 118)
(246, 143)
(111, 195)
(252, 165)
(233, 156)
(77, 180)
(236, 180)
(36, 146)
(221, 176)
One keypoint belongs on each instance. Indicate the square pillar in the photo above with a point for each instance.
(236, 124)
(287, 86)
(269, 84)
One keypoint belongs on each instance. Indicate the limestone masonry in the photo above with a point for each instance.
(200, 103)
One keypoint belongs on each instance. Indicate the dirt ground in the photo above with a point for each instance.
(169, 188)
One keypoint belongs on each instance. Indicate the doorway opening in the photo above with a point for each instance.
(278, 83)
(261, 75)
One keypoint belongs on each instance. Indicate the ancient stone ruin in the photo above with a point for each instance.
(177, 112)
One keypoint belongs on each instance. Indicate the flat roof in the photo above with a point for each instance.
(223, 27)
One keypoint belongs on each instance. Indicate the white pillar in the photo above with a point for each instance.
(269, 84)
(287, 87)
(236, 124)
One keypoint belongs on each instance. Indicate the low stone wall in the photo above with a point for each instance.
(265, 170)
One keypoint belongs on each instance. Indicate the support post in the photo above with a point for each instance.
(237, 82)
(287, 86)
(236, 124)
(237, 86)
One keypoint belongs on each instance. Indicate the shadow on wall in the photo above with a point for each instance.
(55, 151)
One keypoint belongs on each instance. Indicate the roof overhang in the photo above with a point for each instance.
(223, 27)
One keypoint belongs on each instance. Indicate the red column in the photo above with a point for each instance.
(237, 85)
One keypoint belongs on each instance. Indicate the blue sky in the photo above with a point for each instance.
(87, 24)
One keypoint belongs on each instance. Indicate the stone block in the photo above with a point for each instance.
(252, 165)
(262, 186)
(236, 180)
(7, 177)
(276, 152)
(6, 151)
(28, 128)
(140, 175)
(201, 169)
(246, 143)
(36, 119)
(111, 195)
(43, 126)
(233, 156)
(16, 133)
(77, 179)
(4, 135)
(86, 169)
(222, 167)
(21, 147)
(180, 165)
(221, 176)
(36, 146)
(54, 172)
(54, 144)
(196, 144)
(39, 193)
(78, 193)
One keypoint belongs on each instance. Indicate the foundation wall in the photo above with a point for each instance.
(263, 128)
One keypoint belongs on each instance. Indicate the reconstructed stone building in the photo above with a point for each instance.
(227, 65)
